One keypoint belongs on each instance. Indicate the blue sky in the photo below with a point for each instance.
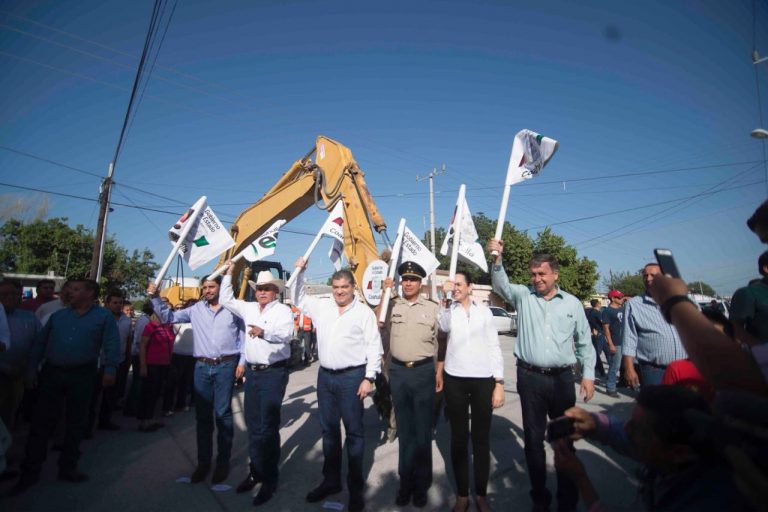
(662, 91)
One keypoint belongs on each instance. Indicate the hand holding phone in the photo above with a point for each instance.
(559, 428)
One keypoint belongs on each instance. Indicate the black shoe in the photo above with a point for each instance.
(108, 426)
(420, 499)
(264, 495)
(403, 497)
(356, 502)
(73, 476)
(322, 491)
(248, 484)
(25, 482)
(612, 394)
(201, 471)
(220, 473)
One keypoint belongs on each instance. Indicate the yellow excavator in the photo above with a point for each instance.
(326, 174)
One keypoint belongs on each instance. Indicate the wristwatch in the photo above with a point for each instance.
(370, 379)
(500, 381)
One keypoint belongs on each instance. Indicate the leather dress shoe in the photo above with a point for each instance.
(220, 473)
(356, 502)
(403, 497)
(264, 495)
(201, 471)
(248, 484)
(73, 476)
(322, 491)
(420, 499)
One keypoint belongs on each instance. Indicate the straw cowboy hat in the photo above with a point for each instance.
(265, 277)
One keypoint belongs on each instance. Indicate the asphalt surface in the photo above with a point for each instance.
(131, 470)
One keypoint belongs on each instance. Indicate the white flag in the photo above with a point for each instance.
(206, 240)
(337, 249)
(334, 224)
(265, 245)
(530, 153)
(412, 249)
(470, 249)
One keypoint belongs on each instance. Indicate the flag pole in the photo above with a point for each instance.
(392, 269)
(514, 159)
(216, 273)
(457, 223)
(183, 236)
(306, 257)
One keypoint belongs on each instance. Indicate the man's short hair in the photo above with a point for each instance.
(760, 217)
(594, 302)
(147, 308)
(762, 262)
(89, 284)
(114, 293)
(539, 259)
(216, 279)
(46, 281)
(12, 282)
(343, 274)
(651, 264)
(668, 406)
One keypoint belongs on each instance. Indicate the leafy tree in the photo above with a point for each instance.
(702, 288)
(40, 246)
(628, 283)
(577, 275)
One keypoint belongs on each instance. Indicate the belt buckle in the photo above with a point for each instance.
(262, 367)
(409, 364)
(216, 360)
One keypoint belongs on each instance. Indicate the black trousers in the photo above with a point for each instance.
(413, 396)
(72, 386)
(461, 394)
(542, 396)
(178, 389)
(105, 399)
(151, 389)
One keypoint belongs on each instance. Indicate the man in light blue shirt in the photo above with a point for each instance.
(218, 335)
(549, 322)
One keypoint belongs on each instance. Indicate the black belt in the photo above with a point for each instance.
(543, 371)
(262, 367)
(654, 365)
(342, 370)
(218, 360)
(412, 364)
(71, 367)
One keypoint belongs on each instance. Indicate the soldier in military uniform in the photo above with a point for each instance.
(410, 331)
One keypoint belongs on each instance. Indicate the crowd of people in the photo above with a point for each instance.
(698, 427)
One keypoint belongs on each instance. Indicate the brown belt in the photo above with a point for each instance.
(218, 360)
(412, 364)
(262, 367)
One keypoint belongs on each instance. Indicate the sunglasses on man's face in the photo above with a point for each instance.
(264, 288)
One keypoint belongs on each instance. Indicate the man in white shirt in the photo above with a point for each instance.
(349, 349)
(269, 329)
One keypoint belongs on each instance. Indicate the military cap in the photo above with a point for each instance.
(411, 269)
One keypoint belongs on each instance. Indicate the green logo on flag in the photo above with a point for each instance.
(201, 242)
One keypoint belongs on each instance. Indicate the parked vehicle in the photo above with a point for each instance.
(506, 322)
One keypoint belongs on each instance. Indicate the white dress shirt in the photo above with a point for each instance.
(344, 338)
(275, 319)
(45, 311)
(473, 342)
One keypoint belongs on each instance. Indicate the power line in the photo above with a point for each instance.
(52, 162)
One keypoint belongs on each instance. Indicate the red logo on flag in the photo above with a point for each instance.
(370, 285)
(338, 220)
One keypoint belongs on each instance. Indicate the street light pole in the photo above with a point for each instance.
(99, 239)
(431, 177)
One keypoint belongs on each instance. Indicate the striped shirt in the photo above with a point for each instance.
(647, 336)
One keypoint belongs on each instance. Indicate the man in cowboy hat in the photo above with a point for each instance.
(266, 349)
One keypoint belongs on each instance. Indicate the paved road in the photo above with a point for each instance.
(131, 470)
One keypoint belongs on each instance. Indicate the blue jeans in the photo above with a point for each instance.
(213, 397)
(650, 375)
(264, 392)
(338, 401)
(614, 362)
(542, 396)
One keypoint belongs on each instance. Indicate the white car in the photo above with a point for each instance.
(506, 322)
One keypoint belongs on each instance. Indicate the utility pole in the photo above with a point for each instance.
(431, 177)
(97, 260)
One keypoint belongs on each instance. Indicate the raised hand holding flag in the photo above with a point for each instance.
(333, 227)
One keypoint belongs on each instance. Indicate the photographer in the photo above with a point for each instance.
(675, 474)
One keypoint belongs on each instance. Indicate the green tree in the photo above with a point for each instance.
(628, 283)
(702, 288)
(52, 245)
